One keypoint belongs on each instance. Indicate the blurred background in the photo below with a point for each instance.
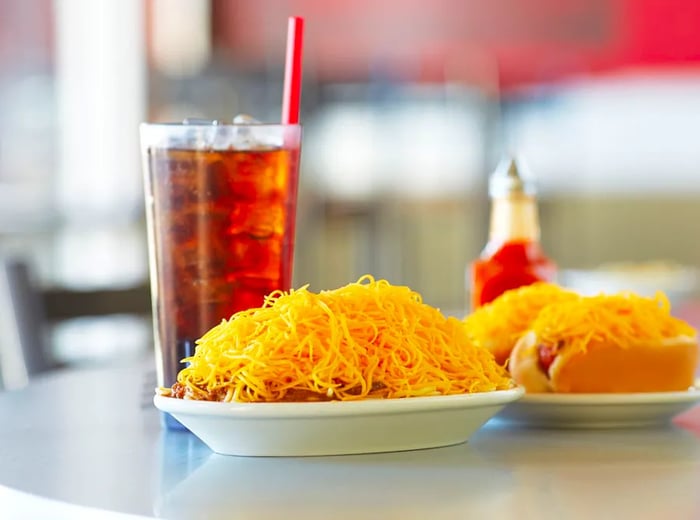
(407, 107)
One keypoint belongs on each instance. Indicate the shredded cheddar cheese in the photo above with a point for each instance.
(623, 319)
(499, 324)
(368, 339)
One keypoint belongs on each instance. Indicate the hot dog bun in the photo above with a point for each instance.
(646, 366)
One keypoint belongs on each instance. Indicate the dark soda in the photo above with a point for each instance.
(223, 238)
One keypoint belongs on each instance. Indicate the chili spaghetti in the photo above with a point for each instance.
(368, 339)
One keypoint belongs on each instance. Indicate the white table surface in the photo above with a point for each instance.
(76, 442)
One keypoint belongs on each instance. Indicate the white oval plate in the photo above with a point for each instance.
(334, 427)
(599, 410)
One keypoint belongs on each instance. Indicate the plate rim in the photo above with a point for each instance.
(336, 408)
(601, 399)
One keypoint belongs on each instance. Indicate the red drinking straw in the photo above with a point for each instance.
(292, 73)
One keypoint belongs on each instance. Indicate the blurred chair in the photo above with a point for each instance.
(28, 311)
(63, 304)
(100, 325)
(23, 351)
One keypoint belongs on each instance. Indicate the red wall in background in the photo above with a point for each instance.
(503, 42)
(495, 43)
(26, 34)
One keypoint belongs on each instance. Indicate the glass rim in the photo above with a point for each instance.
(175, 124)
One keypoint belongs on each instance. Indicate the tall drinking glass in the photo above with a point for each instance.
(220, 207)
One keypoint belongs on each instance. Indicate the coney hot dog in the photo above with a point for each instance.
(617, 343)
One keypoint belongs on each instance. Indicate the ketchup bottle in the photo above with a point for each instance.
(513, 256)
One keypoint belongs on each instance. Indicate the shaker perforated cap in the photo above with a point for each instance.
(510, 178)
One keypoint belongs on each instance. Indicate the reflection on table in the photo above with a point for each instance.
(540, 474)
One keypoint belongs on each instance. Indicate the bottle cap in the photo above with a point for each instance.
(508, 179)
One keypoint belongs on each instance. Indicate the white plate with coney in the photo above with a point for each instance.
(591, 411)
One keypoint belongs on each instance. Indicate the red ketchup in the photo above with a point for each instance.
(513, 256)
